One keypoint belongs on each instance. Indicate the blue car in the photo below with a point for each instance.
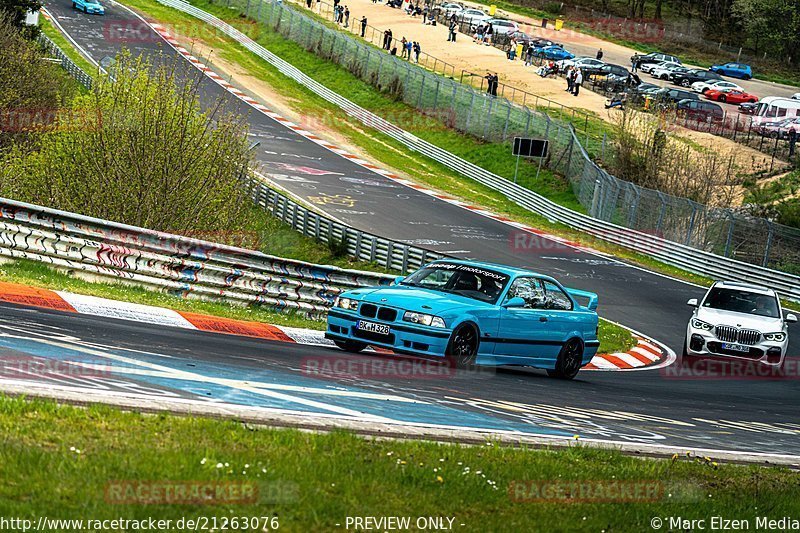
(89, 6)
(472, 313)
(553, 52)
(733, 70)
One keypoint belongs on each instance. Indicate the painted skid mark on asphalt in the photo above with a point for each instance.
(227, 384)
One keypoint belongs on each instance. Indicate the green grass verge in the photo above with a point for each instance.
(74, 463)
(57, 37)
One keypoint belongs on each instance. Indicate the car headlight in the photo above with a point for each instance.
(422, 318)
(699, 324)
(345, 303)
(776, 337)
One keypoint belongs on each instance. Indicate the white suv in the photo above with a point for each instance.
(739, 320)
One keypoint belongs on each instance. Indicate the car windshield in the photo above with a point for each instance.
(465, 280)
(740, 301)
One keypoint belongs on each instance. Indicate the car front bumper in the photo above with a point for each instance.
(701, 342)
(403, 337)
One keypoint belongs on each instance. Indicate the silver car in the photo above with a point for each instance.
(741, 321)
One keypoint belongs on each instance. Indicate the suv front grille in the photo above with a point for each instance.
(742, 336)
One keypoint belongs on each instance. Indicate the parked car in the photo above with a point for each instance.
(747, 108)
(703, 86)
(771, 108)
(89, 6)
(520, 37)
(503, 26)
(796, 96)
(451, 8)
(658, 70)
(740, 321)
(473, 17)
(656, 57)
(472, 313)
(610, 69)
(553, 52)
(673, 96)
(585, 63)
(699, 111)
(541, 43)
(731, 96)
(693, 76)
(734, 70)
(779, 129)
(648, 67)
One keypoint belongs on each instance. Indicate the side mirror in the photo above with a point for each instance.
(791, 318)
(516, 301)
(692, 302)
(397, 280)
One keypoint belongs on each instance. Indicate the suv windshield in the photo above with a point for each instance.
(464, 280)
(740, 301)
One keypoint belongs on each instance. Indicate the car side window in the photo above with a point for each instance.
(530, 290)
(555, 297)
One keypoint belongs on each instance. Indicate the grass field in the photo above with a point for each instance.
(100, 463)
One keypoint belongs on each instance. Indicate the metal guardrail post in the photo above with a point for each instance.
(768, 247)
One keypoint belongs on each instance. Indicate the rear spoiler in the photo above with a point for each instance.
(592, 297)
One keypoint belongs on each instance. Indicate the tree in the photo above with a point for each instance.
(771, 26)
(15, 10)
(139, 149)
(31, 90)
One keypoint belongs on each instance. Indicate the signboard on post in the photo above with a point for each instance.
(526, 147)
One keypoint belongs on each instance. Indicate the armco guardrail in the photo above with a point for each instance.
(174, 263)
(70, 66)
(363, 246)
(577, 162)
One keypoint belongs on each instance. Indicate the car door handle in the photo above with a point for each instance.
(542, 319)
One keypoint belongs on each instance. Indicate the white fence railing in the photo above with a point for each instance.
(672, 253)
(179, 265)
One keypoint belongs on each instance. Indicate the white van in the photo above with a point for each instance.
(774, 108)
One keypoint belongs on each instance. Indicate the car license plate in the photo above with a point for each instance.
(735, 347)
(372, 327)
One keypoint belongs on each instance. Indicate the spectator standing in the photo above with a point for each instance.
(478, 37)
(417, 50)
(792, 141)
(409, 46)
(576, 86)
(512, 51)
(487, 36)
(363, 26)
(635, 62)
(451, 37)
(529, 55)
(599, 55)
(346, 17)
(385, 38)
(570, 78)
(308, 4)
(404, 51)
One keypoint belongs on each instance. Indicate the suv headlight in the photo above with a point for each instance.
(345, 303)
(699, 324)
(776, 337)
(422, 318)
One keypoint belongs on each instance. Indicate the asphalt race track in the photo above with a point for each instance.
(699, 408)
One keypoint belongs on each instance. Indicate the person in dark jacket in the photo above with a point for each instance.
(599, 54)
(363, 26)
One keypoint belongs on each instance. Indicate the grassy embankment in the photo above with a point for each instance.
(67, 462)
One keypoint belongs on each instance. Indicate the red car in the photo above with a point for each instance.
(732, 96)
